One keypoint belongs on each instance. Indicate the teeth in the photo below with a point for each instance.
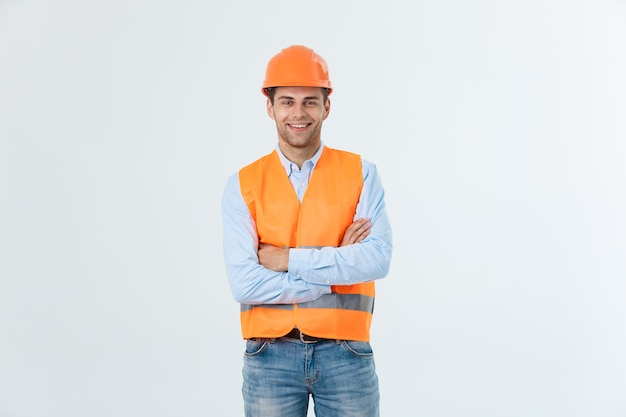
(298, 126)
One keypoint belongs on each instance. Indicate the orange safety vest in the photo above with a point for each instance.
(327, 209)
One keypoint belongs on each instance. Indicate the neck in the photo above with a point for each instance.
(298, 155)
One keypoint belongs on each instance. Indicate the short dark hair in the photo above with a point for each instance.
(271, 92)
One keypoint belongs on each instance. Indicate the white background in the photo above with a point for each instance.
(498, 128)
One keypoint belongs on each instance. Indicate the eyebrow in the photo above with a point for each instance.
(304, 98)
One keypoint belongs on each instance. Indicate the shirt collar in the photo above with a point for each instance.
(290, 166)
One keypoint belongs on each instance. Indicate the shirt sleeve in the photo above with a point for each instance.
(250, 282)
(365, 261)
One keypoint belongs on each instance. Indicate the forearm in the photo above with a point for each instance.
(254, 284)
(362, 262)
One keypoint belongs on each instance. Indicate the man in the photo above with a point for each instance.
(305, 235)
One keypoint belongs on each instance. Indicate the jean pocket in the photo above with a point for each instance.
(255, 346)
(360, 349)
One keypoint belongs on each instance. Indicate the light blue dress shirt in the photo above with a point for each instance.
(311, 272)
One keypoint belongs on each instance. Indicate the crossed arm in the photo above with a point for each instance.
(277, 259)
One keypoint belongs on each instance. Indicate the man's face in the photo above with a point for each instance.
(299, 113)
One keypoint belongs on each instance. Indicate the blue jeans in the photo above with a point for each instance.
(280, 374)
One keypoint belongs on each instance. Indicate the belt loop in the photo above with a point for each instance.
(305, 341)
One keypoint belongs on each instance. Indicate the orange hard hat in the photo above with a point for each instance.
(296, 66)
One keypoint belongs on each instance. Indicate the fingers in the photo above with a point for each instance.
(273, 257)
(356, 232)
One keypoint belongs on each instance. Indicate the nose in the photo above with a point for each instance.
(299, 111)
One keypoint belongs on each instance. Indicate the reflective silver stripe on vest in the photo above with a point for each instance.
(248, 307)
(356, 302)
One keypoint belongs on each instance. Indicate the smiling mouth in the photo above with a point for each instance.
(298, 125)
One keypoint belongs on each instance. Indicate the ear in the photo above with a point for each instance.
(326, 109)
(270, 109)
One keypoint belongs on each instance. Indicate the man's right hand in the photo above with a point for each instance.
(356, 232)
